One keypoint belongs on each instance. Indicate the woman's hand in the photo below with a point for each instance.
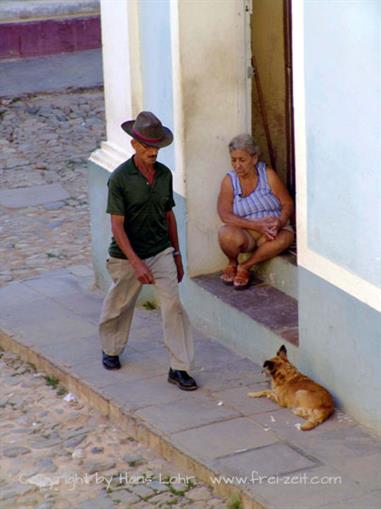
(276, 220)
(276, 223)
(268, 226)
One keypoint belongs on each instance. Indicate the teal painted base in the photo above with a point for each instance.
(340, 346)
(230, 326)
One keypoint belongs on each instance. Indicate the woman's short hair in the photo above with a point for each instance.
(244, 142)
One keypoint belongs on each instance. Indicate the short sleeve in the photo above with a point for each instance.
(115, 201)
(170, 202)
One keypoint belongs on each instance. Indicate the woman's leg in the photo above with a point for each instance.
(269, 248)
(233, 241)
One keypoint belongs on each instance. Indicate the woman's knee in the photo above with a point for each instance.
(225, 230)
(262, 240)
(287, 239)
(227, 233)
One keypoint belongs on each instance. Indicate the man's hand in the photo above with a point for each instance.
(142, 273)
(179, 267)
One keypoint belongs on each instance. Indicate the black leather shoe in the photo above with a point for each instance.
(110, 361)
(182, 380)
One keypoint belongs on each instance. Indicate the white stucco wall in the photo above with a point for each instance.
(121, 75)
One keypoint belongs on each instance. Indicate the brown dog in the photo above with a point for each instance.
(292, 389)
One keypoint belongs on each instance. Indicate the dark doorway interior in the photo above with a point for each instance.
(272, 101)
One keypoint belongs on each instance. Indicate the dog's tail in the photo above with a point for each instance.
(316, 418)
(310, 425)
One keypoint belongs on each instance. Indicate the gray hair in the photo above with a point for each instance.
(244, 142)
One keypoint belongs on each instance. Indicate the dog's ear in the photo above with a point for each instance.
(282, 352)
(268, 365)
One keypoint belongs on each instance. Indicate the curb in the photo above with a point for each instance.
(136, 427)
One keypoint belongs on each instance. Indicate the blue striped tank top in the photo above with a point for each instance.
(258, 204)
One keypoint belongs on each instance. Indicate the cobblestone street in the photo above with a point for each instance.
(45, 141)
(58, 454)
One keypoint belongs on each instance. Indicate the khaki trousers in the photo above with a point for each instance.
(118, 308)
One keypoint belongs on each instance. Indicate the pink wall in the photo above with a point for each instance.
(46, 37)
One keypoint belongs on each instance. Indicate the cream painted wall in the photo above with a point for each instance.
(212, 61)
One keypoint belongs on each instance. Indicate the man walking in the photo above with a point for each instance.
(145, 250)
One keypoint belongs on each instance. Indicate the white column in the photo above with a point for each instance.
(122, 77)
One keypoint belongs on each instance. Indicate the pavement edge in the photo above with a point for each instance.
(136, 427)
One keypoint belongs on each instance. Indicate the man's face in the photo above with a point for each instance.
(145, 153)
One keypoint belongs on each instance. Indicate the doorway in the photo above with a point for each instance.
(272, 101)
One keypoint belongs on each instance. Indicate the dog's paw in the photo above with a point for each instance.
(255, 394)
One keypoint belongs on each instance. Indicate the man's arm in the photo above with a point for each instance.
(173, 237)
(142, 272)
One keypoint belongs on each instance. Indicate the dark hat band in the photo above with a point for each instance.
(144, 138)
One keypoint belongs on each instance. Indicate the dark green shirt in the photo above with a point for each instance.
(143, 206)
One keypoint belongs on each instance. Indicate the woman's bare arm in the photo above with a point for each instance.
(280, 191)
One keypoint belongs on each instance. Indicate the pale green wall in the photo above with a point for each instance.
(155, 47)
(343, 123)
(340, 337)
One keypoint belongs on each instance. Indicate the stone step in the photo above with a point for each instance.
(280, 272)
(262, 302)
(254, 322)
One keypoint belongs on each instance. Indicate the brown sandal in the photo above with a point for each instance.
(242, 279)
(228, 274)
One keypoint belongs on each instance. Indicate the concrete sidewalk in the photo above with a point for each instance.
(51, 321)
